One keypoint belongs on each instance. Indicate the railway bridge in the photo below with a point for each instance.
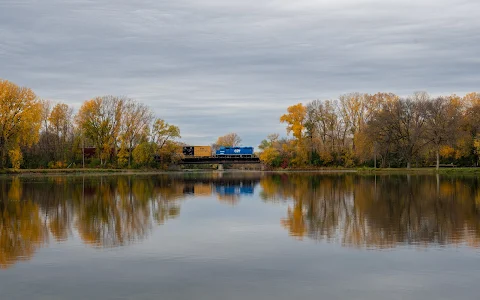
(219, 160)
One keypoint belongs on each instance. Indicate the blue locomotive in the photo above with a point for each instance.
(235, 152)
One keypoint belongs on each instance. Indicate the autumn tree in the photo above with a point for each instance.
(61, 125)
(353, 109)
(476, 149)
(162, 132)
(295, 119)
(470, 125)
(20, 120)
(46, 109)
(143, 154)
(400, 127)
(100, 120)
(269, 141)
(164, 136)
(270, 150)
(229, 140)
(136, 119)
(326, 130)
(443, 117)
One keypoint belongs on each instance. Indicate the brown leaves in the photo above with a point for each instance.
(229, 140)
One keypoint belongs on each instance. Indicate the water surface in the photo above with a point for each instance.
(240, 236)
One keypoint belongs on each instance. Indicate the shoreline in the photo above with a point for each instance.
(445, 171)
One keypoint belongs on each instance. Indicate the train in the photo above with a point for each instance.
(234, 152)
(206, 151)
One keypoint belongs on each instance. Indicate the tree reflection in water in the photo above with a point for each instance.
(378, 211)
(360, 211)
(105, 211)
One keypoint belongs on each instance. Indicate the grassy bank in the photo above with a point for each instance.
(453, 171)
(77, 171)
(472, 171)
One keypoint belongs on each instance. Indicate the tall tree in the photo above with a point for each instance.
(443, 117)
(295, 119)
(19, 118)
(229, 140)
(325, 128)
(100, 120)
(135, 125)
(400, 127)
(46, 109)
(353, 109)
(60, 120)
(162, 132)
(471, 123)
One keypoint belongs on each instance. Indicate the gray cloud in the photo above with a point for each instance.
(217, 66)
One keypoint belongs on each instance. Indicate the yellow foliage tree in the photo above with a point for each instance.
(170, 153)
(19, 117)
(123, 156)
(476, 146)
(16, 158)
(162, 132)
(363, 145)
(100, 120)
(269, 156)
(295, 119)
(447, 151)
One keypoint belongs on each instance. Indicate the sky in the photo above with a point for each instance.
(219, 66)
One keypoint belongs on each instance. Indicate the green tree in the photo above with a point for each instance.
(144, 153)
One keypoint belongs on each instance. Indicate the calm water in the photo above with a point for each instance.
(240, 236)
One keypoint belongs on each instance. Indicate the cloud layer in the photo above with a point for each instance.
(217, 66)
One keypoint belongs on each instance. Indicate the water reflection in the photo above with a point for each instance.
(360, 211)
(104, 211)
(378, 211)
(21, 225)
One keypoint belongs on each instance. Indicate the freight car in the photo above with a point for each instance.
(197, 151)
(234, 152)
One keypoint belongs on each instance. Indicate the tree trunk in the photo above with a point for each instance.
(2, 153)
(2, 157)
(438, 159)
(409, 165)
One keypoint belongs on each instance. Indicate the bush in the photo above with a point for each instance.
(143, 154)
(94, 162)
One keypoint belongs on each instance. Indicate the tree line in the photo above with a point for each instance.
(37, 133)
(379, 130)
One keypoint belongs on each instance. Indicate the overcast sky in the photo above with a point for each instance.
(218, 66)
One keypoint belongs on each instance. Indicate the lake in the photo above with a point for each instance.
(240, 235)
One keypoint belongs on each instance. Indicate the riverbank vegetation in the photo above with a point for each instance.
(106, 132)
(383, 130)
